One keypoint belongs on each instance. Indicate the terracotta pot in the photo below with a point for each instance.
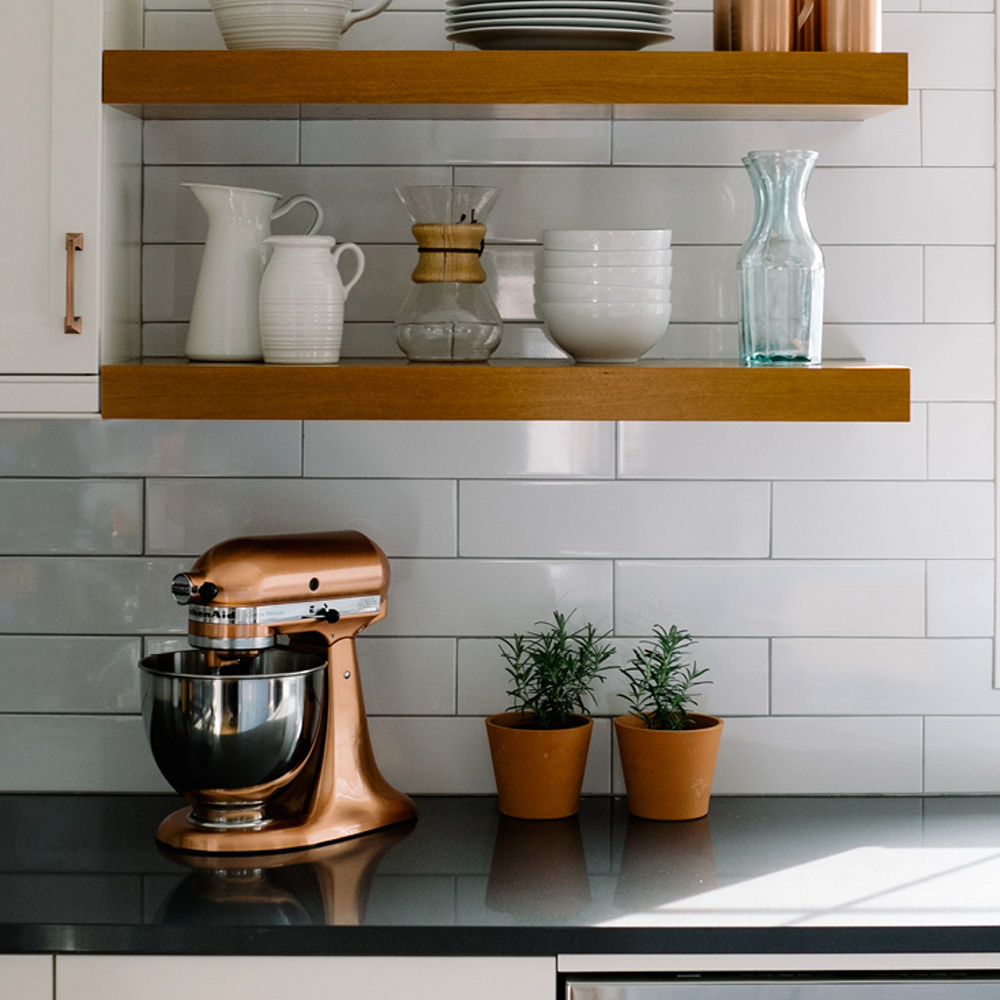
(668, 772)
(538, 772)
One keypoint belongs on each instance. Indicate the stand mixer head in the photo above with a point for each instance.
(262, 726)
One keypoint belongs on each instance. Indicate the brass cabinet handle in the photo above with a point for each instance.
(74, 324)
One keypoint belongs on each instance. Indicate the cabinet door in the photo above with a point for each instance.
(50, 174)
(26, 977)
(109, 977)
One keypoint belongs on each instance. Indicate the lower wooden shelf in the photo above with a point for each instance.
(366, 389)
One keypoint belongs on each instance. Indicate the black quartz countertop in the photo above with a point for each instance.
(771, 874)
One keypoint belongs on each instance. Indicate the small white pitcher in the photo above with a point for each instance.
(302, 300)
(224, 325)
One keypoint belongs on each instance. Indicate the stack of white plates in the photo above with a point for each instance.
(604, 294)
(559, 24)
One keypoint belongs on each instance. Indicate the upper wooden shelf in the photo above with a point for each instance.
(453, 84)
(365, 389)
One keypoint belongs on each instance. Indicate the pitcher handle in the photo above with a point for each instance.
(360, 257)
(296, 199)
(360, 15)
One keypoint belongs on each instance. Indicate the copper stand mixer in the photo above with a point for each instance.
(262, 725)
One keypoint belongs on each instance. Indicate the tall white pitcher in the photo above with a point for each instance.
(224, 317)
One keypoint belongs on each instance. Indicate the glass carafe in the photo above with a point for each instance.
(780, 267)
(448, 315)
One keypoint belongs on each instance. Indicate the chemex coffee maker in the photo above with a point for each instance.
(261, 726)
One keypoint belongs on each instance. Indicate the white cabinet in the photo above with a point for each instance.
(25, 977)
(119, 977)
(62, 152)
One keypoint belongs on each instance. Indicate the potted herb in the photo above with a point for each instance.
(667, 753)
(539, 746)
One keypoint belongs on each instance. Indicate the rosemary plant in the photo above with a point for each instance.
(660, 683)
(552, 671)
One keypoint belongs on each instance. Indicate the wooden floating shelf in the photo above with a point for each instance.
(454, 84)
(365, 389)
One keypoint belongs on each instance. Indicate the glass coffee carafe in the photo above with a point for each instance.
(448, 315)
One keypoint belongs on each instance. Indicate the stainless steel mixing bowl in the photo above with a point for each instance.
(230, 737)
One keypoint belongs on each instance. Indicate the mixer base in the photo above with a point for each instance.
(178, 831)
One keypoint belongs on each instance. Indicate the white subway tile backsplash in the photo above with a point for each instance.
(908, 206)
(931, 520)
(718, 341)
(957, 128)
(947, 51)
(609, 520)
(981, 6)
(402, 29)
(64, 516)
(478, 449)
(469, 597)
(873, 284)
(958, 284)
(85, 448)
(456, 142)
(84, 753)
(961, 757)
(165, 340)
(700, 204)
(753, 597)
(960, 441)
(94, 595)
(181, 30)
(703, 287)
(889, 140)
(830, 755)
(407, 676)
(98, 676)
(724, 450)
(169, 298)
(960, 597)
(176, 5)
(213, 142)
(882, 677)
(187, 516)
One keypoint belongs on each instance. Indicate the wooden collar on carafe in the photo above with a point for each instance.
(449, 252)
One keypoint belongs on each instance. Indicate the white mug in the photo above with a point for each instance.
(288, 24)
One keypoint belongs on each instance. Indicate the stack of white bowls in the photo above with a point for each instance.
(604, 294)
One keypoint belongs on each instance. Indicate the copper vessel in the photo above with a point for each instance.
(762, 25)
(850, 25)
(311, 594)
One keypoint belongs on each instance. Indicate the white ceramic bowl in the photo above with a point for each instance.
(658, 277)
(287, 24)
(607, 258)
(564, 291)
(606, 239)
(606, 332)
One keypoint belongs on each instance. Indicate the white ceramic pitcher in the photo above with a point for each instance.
(224, 317)
(302, 300)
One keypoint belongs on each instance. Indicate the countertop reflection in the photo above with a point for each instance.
(85, 873)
